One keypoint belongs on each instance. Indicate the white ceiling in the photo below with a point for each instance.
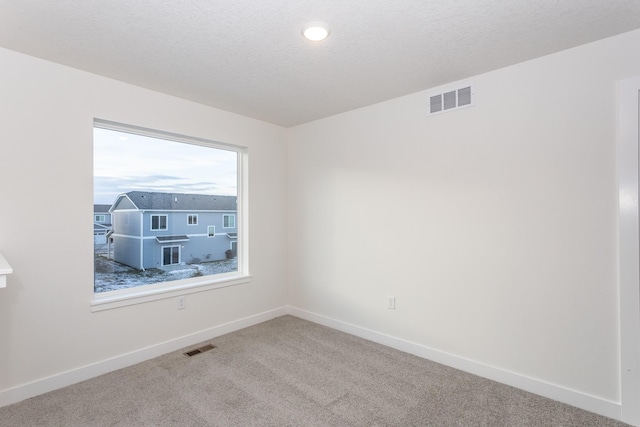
(248, 56)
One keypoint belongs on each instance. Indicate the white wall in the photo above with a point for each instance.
(493, 226)
(46, 178)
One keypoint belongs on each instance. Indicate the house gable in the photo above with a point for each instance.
(122, 202)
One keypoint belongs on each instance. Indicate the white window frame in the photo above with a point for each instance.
(189, 216)
(97, 218)
(166, 222)
(148, 293)
(228, 216)
(162, 248)
(209, 235)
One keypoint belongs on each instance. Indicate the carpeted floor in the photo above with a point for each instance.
(290, 372)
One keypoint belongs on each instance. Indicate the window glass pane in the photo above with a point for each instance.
(229, 221)
(163, 194)
(158, 222)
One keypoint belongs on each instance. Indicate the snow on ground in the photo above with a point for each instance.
(110, 275)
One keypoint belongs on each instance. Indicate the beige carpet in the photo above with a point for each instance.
(290, 372)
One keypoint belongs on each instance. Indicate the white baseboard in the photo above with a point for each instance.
(561, 394)
(555, 392)
(63, 379)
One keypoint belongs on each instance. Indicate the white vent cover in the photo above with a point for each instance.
(451, 100)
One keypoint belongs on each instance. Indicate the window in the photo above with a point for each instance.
(158, 222)
(170, 255)
(229, 221)
(151, 180)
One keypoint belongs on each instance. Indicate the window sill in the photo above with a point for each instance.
(125, 297)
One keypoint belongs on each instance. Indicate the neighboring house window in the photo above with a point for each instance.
(158, 222)
(151, 180)
(229, 221)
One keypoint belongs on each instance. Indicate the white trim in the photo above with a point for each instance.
(141, 241)
(162, 248)
(162, 290)
(119, 197)
(242, 214)
(125, 210)
(629, 249)
(170, 136)
(209, 236)
(229, 215)
(179, 210)
(166, 222)
(562, 394)
(192, 215)
(129, 236)
(63, 379)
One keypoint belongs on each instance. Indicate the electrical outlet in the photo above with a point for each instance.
(391, 302)
(182, 303)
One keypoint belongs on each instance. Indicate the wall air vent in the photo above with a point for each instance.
(451, 100)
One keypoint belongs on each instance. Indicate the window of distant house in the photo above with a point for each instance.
(159, 222)
(170, 255)
(229, 221)
(162, 191)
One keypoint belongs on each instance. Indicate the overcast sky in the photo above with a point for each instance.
(125, 162)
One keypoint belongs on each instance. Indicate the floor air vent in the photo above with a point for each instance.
(451, 100)
(199, 350)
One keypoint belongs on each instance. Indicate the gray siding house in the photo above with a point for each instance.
(159, 230)
(101, 224)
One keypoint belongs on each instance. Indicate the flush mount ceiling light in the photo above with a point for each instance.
(315, 31)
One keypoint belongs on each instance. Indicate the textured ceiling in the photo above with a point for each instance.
(248, 56)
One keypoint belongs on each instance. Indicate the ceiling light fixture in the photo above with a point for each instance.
(315, 31)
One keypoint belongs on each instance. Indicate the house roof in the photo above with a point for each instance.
(172, 239)
(101, 227)
(144, 200)
(101, 208)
